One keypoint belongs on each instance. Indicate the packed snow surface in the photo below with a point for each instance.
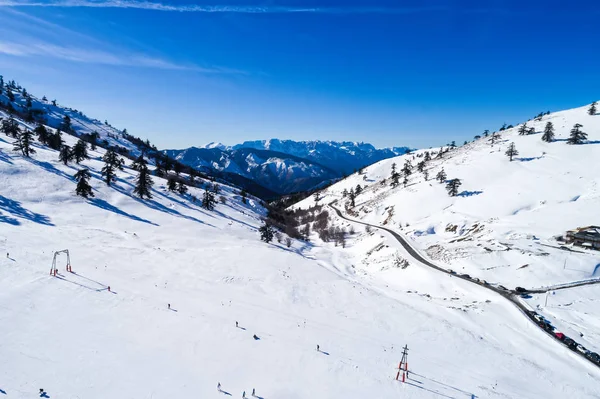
(74, 338)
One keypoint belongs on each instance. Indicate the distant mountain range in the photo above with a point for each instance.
(285, 166)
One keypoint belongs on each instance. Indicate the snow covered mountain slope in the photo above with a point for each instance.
(344, 157)
(279, 172)
(286, 166)
(73, 337)
(16, 101)
(502, 225)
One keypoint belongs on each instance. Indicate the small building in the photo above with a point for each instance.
(587, 237)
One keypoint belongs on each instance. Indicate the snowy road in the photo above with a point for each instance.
(509, 295)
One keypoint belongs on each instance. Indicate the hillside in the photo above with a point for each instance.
(27, 107)
(285, 166)
(180, 278)
(502, 225)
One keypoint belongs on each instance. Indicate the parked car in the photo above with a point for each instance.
(485, 282)
(503, 287)
(581, 349)
(594, 357)
(570, 343)
(525, 296)
(465, 276)
(451, 271)
(559, 335)
(520, 289)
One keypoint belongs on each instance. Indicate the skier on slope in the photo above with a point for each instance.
(219, 386)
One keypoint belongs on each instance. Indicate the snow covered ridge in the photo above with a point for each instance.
(286, 166)
(505, 221)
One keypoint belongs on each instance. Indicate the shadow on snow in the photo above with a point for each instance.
(16, 209)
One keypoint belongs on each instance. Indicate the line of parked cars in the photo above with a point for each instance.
(569, 342)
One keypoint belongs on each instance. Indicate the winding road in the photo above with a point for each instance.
(507, 294)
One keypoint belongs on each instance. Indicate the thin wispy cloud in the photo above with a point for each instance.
(157, 6)
(83, 55)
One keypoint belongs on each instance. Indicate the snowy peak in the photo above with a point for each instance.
(214, 144)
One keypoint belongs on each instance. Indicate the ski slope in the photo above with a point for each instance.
(74, 338)
(506, 216)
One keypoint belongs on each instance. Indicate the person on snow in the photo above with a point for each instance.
(253, 392)
(255, 337)
(244, 394)
(318, 349)
(219, 386)
(236, 324)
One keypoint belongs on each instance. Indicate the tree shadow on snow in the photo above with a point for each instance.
(469, 193)
(16, 209)
(5, 158)
(150, 203)
(9, 220)
(528, 159)
(48, 167)
(225, 393)
(102, 204)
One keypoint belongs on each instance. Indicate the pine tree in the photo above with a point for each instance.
(66, 124)
(427, 156)
(42, 133)
(80, 151)
(426, 175)
(592, 109)
(193, 175)
(531, 130)
(216, 189)
(143, 182)
(182, 188)
(139, 162)
(441, 176)
(10, 127)
(407, 168)
(495, 136)
(511, 151)
(266, 232)
(24, 142)
(178, 168)
(83, 188)
(395, 177)
(548, 135)
(344, 193)
(244, 195)
(10, 95)
(352, 197)
(405, 180)
(171, 184)
(65, 155)
(421, 166)
(452, 187)
(94, 136)
(577, 136)
(358, 189)
(208, 200)
(523, 129)
(486, 133)
(112, 162)
(56, 142)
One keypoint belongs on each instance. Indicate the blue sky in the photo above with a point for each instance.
(393, 73)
